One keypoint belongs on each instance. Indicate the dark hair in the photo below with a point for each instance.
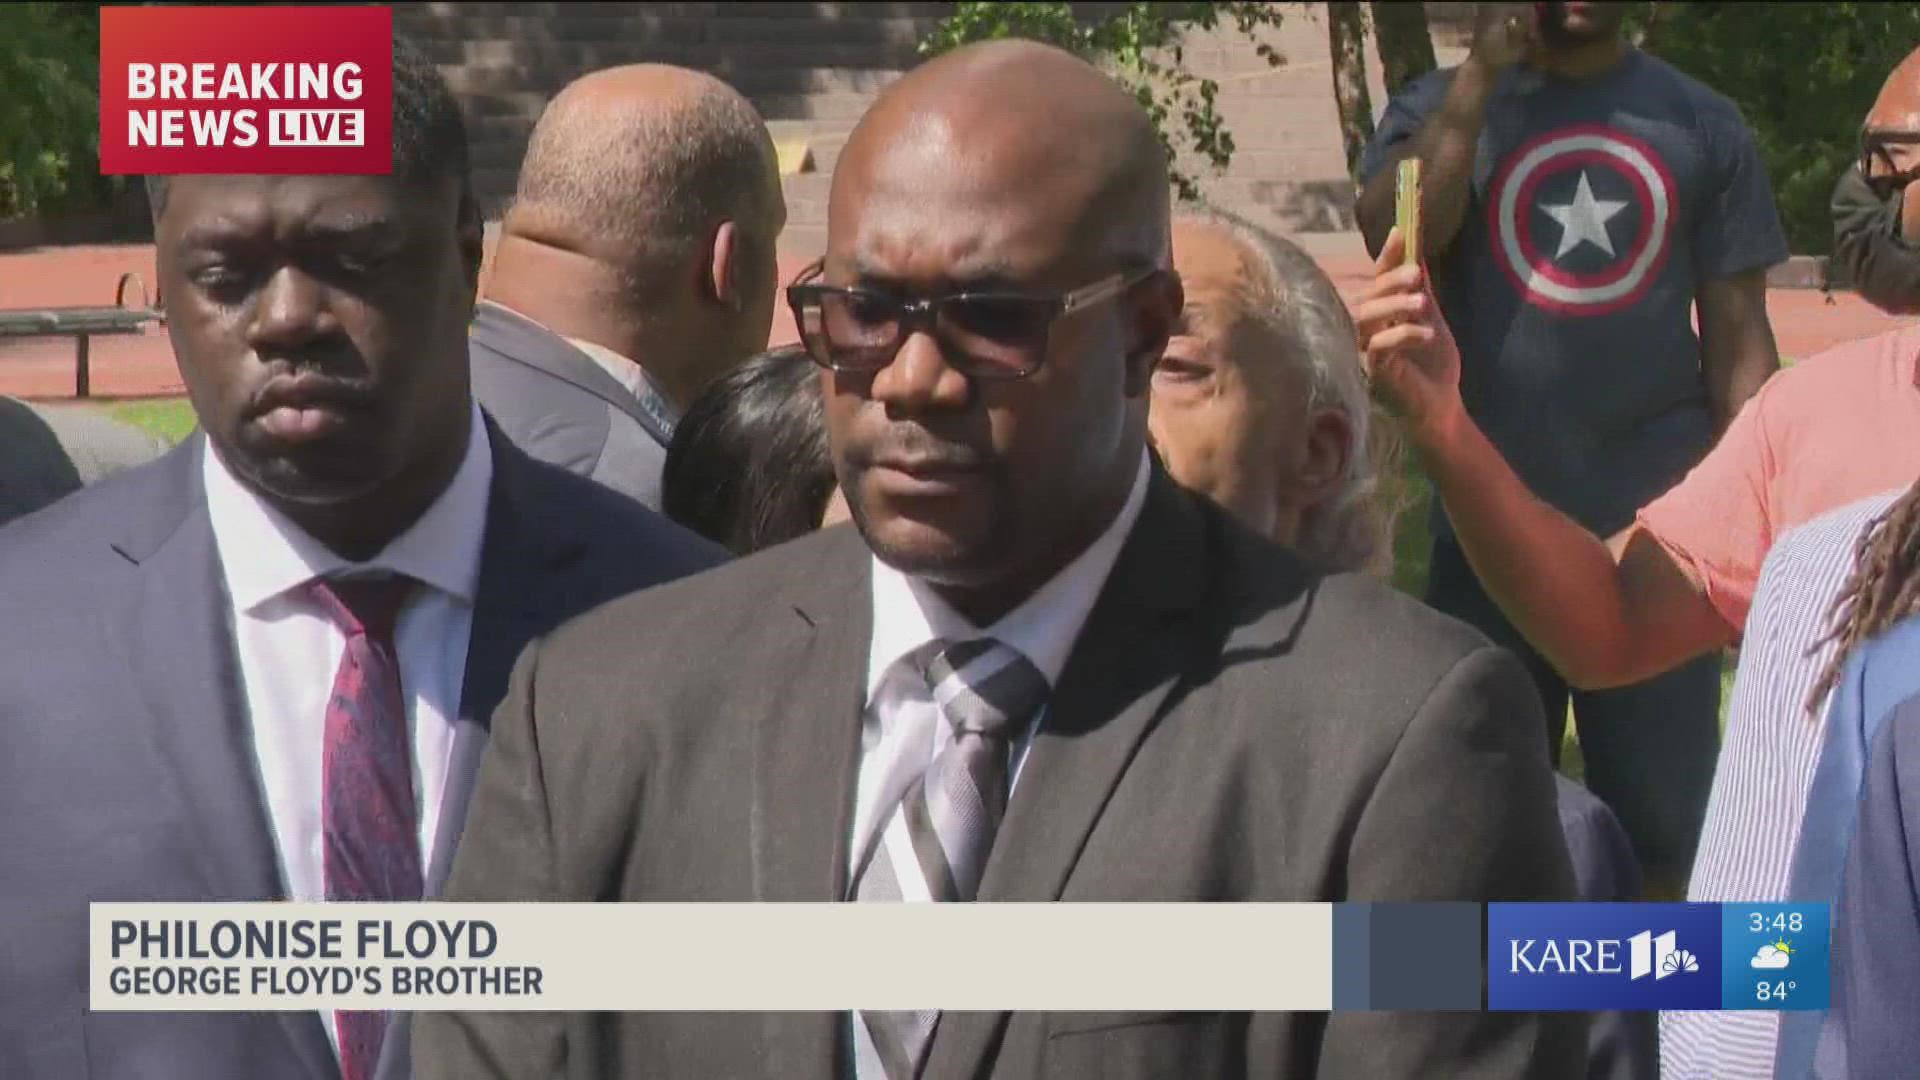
(429, 132)
(1883, 589)
(749, 466)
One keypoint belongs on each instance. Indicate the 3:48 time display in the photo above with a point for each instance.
(1784, 922)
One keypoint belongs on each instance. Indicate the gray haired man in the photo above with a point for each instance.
(1259, 402)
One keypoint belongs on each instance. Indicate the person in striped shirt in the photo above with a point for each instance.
(1775, 724)
(1871, 656)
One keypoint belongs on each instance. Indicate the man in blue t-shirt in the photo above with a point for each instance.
(1579, 199)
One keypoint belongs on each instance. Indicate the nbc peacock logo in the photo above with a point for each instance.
(1658, 955)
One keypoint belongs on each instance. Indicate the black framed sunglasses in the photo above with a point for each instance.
(1875, 156)
(988, 334)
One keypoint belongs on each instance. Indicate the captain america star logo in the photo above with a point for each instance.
(1581, 219)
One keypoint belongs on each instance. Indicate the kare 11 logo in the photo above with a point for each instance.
(243, 90)
(1583, 957)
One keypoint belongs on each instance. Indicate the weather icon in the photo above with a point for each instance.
(1774, 956)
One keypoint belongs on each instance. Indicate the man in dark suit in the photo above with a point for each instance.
(231, 672)
(1035, 670)
(635, 264)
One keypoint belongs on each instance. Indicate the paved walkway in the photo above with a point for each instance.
(1805, 321)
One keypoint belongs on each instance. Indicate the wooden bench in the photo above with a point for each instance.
(81, 323)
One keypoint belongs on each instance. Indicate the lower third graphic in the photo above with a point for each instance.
(1604, 956)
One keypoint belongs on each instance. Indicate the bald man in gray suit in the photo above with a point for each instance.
(636, 264)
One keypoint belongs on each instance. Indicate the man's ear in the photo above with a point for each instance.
(1152, 310)
(1323, 466)
(725, 267)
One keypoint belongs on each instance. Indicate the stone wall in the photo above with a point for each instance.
(811, 68)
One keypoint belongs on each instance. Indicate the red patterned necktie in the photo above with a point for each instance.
(370, 824)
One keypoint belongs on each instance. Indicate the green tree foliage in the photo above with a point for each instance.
(1140, 43)
(49, 103)
(1803, 75)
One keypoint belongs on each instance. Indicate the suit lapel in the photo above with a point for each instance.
(1137, 643)
(527, 342)
(809, 688)
(177, 639)
(527, 544)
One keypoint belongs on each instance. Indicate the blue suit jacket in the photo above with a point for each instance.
(1620, 1045)
(1881, 674)
(128, 772)
(1870, 1030)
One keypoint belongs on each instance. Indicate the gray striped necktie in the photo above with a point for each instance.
(943, 827)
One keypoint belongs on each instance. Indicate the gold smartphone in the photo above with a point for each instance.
(1407, 210)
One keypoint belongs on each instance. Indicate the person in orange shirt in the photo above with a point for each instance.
(1676, 583)
(1835, 428)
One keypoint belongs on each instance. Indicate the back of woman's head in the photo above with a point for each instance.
(749, 466)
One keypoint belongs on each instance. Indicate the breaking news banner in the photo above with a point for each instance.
(246, 90)
(230, 957)
(1658, 956)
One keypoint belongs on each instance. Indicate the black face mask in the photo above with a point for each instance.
(1868, 249)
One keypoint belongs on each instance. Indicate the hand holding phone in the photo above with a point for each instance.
(1407, 208)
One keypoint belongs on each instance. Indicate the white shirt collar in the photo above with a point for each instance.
(623, 369)
(908, 613)
(265, 555)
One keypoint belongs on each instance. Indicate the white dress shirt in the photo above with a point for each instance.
(901, 730)
(290, 651)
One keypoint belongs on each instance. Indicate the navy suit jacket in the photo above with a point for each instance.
(1870, 1029)
(128, 772)
(555, 403)
(1620, 1045)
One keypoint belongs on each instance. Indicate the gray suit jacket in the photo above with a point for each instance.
(555, 403)
(128, 772)
(1227, 728)
(49, 452)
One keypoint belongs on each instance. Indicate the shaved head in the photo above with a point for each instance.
(985, 486)
(646, 222)
(637, 165)
(947, 121)
(1898, 106)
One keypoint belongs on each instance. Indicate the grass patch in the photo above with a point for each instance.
(169, 418)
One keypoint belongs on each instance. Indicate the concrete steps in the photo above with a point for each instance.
(810, 68)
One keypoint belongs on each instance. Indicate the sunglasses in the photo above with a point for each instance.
(986, 334)
(1876, 161)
